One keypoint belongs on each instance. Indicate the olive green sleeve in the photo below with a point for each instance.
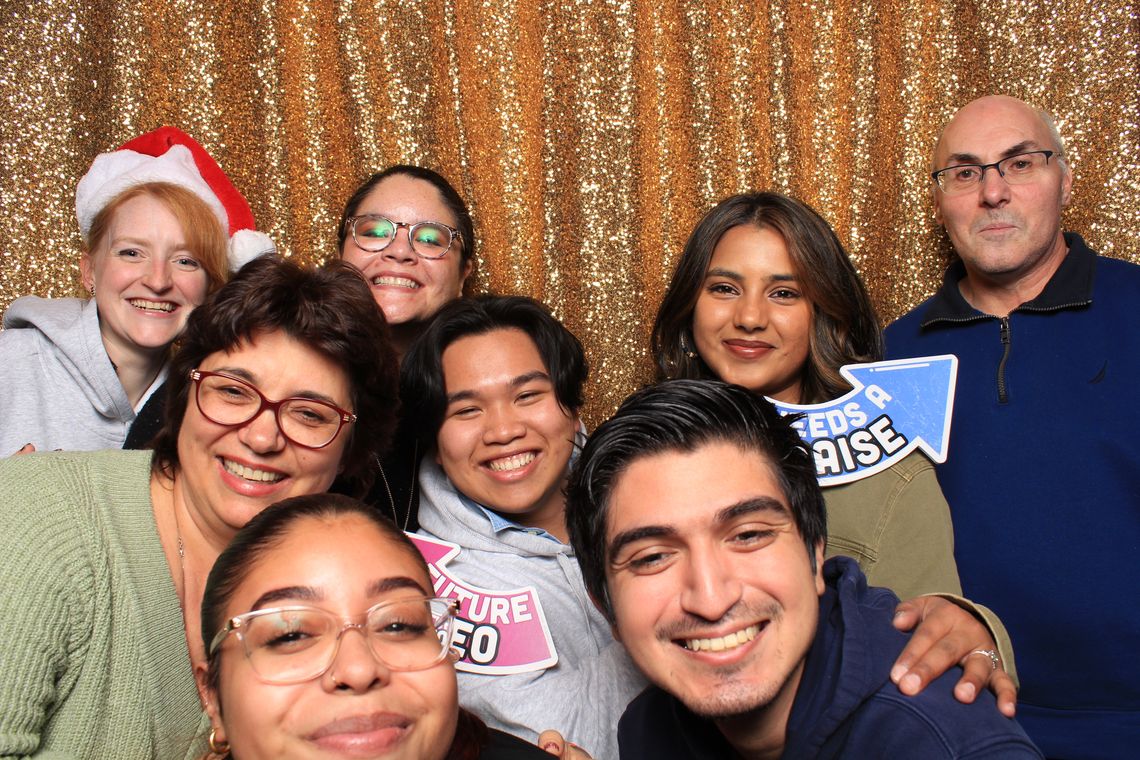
(913, 537)
(990, 620)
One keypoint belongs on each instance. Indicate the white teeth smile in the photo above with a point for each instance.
(140, 303)
(507, 464)
(400, 282)
(731, 641)
(248, 473)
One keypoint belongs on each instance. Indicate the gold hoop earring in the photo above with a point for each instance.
(218, 748)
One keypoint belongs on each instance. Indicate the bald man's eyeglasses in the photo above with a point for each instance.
(1020, 169)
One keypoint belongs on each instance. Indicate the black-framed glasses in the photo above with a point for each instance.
(293, 644)
(373, 233)
(227, 400)
(1019, 169)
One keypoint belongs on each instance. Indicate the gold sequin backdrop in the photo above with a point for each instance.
(587, 136)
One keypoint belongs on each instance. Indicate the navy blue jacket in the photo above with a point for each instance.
(846, 705)
(1043, 482)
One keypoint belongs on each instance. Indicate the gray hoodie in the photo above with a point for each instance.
(58, 389)
(585, 693)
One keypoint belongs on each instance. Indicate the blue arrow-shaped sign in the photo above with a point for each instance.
(893, 408)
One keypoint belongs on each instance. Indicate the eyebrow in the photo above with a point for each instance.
(310, 594)
(752, 506)
(395, 583)
(120, 240)
(1013, 150)
(243, 374)
(141, 242)
(730, 274)
(304, 593)
(523, 379)
(728, 514)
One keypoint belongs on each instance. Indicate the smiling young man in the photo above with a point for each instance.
(697, 519)
(1042, 477)
(495, 384)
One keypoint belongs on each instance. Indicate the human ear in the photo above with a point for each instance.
(819, 584)
(937, 207)
(209, 699)
(87, 271)
(465, 270)
(615, 632)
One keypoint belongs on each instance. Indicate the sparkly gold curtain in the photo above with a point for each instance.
(587, 136)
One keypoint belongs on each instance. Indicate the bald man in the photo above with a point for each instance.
(1043, 474)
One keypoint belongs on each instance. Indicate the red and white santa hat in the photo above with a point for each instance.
(170, 155)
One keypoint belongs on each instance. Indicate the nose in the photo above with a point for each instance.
(354, 665)
(158, 274)
(993, 187)
(751, 312)
(262, 434)
(502, 424)
(711, 588)
(400, 249)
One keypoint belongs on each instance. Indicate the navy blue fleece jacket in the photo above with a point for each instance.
(1043, 481)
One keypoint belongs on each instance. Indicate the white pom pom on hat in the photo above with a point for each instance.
(168, 154)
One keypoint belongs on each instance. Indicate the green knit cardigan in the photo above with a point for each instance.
(93, 657)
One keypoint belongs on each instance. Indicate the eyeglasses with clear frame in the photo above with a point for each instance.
(373, 233)
(294, 644)
(307, 422)
(1019, 169)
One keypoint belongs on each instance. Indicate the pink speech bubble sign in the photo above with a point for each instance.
(497, 632)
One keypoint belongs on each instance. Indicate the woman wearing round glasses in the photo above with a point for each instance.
(283, 380)
(323, 640)
(410, 233)
(764, 296)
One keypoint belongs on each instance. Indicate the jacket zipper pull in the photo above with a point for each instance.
(1003, 392)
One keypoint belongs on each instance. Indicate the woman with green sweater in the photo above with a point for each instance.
(285, 378)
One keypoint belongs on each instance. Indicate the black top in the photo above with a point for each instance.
(503, 746)
(395, 491)
(148, 421)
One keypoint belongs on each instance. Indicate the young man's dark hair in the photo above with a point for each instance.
(682, 415)
(422, 383)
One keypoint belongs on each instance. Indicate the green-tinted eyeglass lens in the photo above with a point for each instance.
(432, 235)
(379, 229)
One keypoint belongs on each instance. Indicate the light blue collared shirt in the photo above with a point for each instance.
(500, 523)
